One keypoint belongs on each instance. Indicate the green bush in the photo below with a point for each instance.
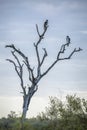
(59, 115)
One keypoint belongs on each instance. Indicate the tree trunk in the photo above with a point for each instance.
(35, 74)
(26, 102)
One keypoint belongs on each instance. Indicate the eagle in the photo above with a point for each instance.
(45, 24)
(67, 40)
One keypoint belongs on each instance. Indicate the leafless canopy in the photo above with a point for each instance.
(34, 79)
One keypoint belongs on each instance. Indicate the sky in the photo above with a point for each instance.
(18, 19)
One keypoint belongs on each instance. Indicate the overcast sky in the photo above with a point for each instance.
(17, 26)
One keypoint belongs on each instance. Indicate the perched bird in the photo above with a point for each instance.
(45, 24)
(67, 40)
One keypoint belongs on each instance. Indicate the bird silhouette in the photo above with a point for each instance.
(45, 24)
(68, 40)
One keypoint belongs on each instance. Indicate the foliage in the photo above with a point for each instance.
(59, 115)
(71, 114)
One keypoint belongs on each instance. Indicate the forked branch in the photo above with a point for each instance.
(34, 77)
(58, 59)
(25, 60)
(19, 70)
(41, 36)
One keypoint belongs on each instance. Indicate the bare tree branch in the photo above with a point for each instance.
(44, 56)
(33, 77)
(41, 36)
(19, 70)
(16, 50)
(40, 62)
(30, 70)
(14, 66)
(62, 50)
(38, 59)
(38, 30)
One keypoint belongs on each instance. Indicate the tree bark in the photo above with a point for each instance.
(25, 106)
(26, 102)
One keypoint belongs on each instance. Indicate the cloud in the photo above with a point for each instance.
(83, 32)
(69, 3)
(17, 26)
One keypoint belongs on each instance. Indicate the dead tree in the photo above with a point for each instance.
(33, 77)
